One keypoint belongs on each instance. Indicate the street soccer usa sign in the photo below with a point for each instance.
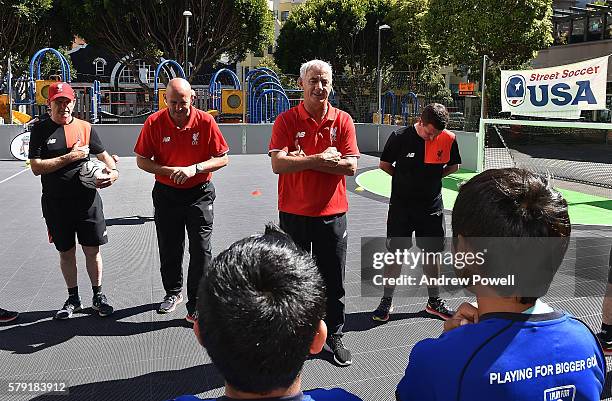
(571, 87)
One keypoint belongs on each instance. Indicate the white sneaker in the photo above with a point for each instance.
(169, 303)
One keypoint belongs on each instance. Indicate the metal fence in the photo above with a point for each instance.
(403, 97)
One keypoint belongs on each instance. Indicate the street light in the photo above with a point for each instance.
(187, 14)
(380, 28)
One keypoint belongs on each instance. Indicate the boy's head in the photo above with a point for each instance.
(261, 305)
(520, 223)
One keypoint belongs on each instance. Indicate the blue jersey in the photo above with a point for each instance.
(319, 394)
(508, 356)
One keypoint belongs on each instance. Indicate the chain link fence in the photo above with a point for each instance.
(403, 96)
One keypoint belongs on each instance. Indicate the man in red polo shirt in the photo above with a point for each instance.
(182, 146)
(313, 147)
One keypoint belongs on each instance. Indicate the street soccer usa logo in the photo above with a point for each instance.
(515, 90)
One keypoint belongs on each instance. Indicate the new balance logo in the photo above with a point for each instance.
(51, 141)
(166, 139)
(410, 155)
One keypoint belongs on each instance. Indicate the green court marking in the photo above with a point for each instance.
(583, 208)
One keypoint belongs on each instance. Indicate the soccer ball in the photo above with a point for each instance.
(90, 170)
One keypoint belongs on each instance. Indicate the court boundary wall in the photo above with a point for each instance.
(247, 139)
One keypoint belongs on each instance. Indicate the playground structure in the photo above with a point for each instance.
(258, 98)
(404, 115)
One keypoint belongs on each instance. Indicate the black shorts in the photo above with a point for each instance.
(428, 228)
(82, 215)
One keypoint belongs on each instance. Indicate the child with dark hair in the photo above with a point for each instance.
(512, 346)
(261, 307)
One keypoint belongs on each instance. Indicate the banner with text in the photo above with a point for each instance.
(578, 86)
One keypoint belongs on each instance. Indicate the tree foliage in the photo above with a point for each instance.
(27, 26)
(510, 32)
(345, 33)
(342, 32)
(148, 30)
(409, 46)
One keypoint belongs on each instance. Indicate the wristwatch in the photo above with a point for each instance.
(199, 167)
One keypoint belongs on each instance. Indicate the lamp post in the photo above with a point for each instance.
(380, 28)
(187, 14)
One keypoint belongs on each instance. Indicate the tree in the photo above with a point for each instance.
(342, 32)
(25, 29)
(345, 33)
(411, 50)
(148, 30)
(510, 32)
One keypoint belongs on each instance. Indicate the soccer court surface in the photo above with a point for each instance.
(136, 354)
(584, 208)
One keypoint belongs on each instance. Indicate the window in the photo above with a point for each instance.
(595, 28)
(284, 16)
(99, 64)
(143, 69)
(577, 30)
(561, 33)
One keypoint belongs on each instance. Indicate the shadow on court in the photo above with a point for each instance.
(362, 321)
(156, 386)
(129, 221)
(603, 204)
(36, 331)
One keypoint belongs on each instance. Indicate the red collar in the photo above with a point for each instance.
(305, 115)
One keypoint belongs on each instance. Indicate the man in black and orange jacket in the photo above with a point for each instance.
(417, 157)
(59, 145)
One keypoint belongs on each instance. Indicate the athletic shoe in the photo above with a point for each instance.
(381, 314)
(7, 316)
(169, 303)
(192, 317)
(606, 343)
(437, 307)
(100, 304)
(342, 356)
(70, 306)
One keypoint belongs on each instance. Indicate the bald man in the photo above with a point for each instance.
(182, 146)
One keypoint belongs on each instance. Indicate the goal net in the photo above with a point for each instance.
(569, 151)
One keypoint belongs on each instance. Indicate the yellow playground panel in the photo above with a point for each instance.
(18, 118)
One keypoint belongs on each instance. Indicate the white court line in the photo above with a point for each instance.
(14, 175)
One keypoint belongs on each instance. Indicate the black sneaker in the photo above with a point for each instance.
(169, 303)
(192, 317)
(70, 306)
(7, 316)
(606, 342)
(342, 356)
(100, 304)
(381, 314)
(437, 307)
